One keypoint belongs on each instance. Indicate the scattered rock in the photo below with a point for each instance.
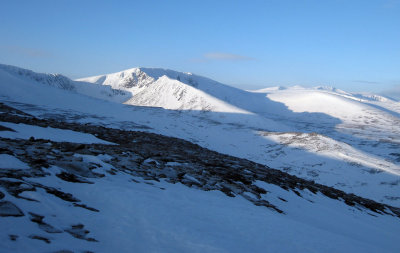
(41, 238)
(15, 188)
(40, 162)
(69, 177)
(62, 195)
(284, 200)
(43, 225)
(13, 237)
(3, 128)
(79, 232)
(7, 208)
(86, 207)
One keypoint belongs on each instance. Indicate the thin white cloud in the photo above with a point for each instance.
(29, 52)
(390, 4)
(365, 81)
(218, 56)
(226, 57)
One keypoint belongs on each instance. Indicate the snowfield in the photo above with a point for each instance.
(137, 217)
(23, 131)
(348, 141)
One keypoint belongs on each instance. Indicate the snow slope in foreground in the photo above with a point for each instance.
(138, 217)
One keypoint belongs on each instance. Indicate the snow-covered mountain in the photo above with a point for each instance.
(183, 91)
(11, 74)
(168, 89)
(54, 80)
(332, 137)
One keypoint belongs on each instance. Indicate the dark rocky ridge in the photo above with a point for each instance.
(152, 157)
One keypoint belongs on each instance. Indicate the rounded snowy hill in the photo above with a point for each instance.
(365, 114)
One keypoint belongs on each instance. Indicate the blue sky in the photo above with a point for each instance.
(352, 45)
